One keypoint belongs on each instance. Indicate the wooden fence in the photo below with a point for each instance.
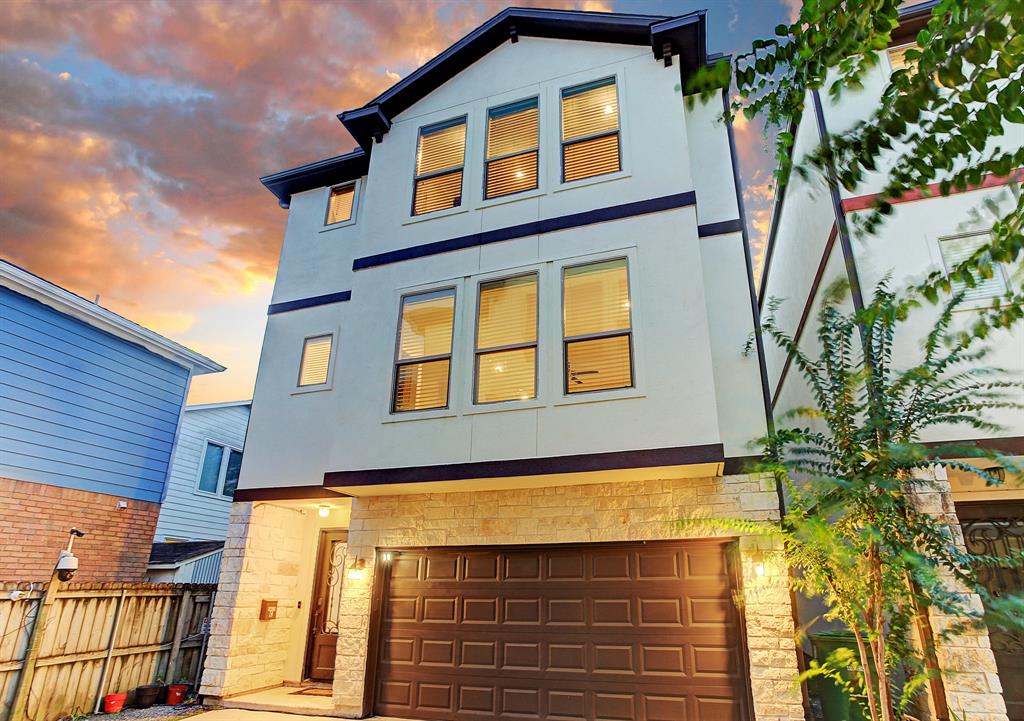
(100, 638)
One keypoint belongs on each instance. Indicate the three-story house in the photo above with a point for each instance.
(504, 356)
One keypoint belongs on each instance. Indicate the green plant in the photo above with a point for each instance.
(938, 121)
(857, 532)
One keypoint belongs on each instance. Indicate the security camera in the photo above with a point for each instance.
(67, 564)
(76, 533)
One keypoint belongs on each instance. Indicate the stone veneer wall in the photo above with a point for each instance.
(627, 511)
(262, 559)
(968, 666)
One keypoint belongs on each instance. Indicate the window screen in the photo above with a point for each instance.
(590, 130)
(316, 361)
(440, 155)
(958, 249)
(506, 340)
(597, 327)
(209, 477)
(512, 142)
(339, 207)
(424, 351)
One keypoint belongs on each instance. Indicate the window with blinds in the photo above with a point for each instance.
(440, 155)
(956, 250)
(506, 340)
(898, 57)
(590, 130)
(339, 206)
(316, 361)
(424, 352)
(512, 145)
(597, 329)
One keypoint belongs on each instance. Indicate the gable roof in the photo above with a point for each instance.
(685, 36)
(63, 300)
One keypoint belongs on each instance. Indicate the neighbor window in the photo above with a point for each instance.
(957, 249)
(506, 340)
(597, 328)
(339, 207)
(898, 57)
(424, 353)
(219, 473)
(590, 130)
(512, 142)
(316, 360)
(440, 155)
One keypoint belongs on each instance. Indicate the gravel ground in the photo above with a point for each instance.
(160, 713)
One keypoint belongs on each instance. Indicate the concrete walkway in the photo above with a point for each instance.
(237, 714)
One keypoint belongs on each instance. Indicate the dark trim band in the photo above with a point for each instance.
(537, 227)
(614, 460)
(1010, 445)
(312, 302)
(720, 228)
(285, 493)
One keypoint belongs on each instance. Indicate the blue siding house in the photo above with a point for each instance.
(90, 406)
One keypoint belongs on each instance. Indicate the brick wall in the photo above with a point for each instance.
(36, 518)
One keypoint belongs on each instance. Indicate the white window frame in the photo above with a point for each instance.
(329, 383)
(356, 193)
(997, 268)
(222, 472)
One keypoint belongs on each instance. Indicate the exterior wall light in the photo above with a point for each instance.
(324, 510)
(759, 569)
(358, 570)
(386, 557)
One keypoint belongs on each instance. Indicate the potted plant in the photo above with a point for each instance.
(145, 696)
(176, 692)
(114, 702)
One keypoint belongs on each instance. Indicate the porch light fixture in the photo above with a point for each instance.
(324, 510)
(358, 570)
(386, 557)
(758, 558)
(997, 472)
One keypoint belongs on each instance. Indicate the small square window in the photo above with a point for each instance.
(316, 361)
(956, 250)
(340, 204)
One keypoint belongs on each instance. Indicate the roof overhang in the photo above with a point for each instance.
(32, 286)
(685, 36)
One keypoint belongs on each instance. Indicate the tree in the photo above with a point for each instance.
(854, 532)
(939, 120)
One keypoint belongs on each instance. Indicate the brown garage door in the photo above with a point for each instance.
(599, 631)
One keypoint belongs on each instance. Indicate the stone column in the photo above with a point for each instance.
(966, 662)
(262, 557)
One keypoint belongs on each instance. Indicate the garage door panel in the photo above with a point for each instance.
(644, 632)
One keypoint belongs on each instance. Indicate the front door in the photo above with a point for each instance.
(996, 528)
(323, 621)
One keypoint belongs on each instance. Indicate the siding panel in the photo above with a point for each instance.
(82, 408)
(186, 514)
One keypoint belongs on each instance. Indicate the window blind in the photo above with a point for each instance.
(957, 250)
(898, 57)
(424, 351)
(339, 207)
(590, 130)
(506, 340)
(512, 143)
(316, 360)
(597, 327)
(440, 155)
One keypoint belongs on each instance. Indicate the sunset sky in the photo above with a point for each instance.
(133, 135)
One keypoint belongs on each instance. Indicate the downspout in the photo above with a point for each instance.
(769, 418)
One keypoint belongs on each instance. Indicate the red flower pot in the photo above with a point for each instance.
(176, 693)
(114, 702)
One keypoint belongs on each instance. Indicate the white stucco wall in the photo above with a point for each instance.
(691, 311)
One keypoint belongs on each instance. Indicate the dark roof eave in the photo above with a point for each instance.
(318, 174)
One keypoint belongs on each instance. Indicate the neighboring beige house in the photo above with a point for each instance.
(813, 242)
(504, 355)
